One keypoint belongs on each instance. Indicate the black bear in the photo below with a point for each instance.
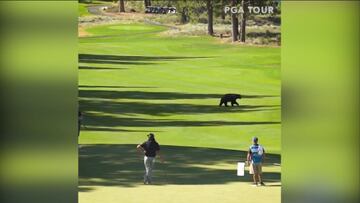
(230, 98)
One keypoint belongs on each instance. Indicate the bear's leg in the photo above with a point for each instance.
(221, 103)
(232, 103)
(226, 103)
(237, 104)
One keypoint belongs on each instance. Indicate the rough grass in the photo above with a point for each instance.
(261, 35)
(261, 29)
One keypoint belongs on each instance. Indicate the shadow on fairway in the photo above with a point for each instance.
(129, 60)
(121, 165)
(257, 96)
(130, 108)
(113, 86)
(99, 68)
(97, 128)
(114, 62)
(134, 58)
(119, 113)
(114, 94)
(105, 123)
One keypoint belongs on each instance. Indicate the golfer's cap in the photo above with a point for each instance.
(255, 139)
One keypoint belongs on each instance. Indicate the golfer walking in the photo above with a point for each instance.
(150, 148)
(256, 156)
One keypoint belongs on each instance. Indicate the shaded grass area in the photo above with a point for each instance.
(129, 60)
(121, 165)
(146, 95)
(103, 101)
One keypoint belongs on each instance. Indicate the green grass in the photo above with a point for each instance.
(128, 29)
(83, 11)
(187, 175)
(133, 81)
(82, 7)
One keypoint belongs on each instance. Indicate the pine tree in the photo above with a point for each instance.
(121, 6)
(234, 22)
(209, 6)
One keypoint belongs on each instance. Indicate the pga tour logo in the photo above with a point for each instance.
(251, 9)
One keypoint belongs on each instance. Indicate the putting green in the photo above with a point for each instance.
(133, 81)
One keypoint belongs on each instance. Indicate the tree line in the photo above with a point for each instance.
(186, 9)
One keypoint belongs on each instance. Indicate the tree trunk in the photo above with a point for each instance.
(235, 23)
(184, 17)
(222, 10)
(147, 3)
(210, 17)
(243, 22)
(121, 6)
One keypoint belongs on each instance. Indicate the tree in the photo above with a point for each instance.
(182, 9)
(243, 22)
(121, 6)
(209, 7)
(184, 15)
(147, 3)
(222, 14)
(245, 15)
(235, 23)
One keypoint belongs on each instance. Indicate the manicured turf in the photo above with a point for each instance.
(123, 30)
(133, 81)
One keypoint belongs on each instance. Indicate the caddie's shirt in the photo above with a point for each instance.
(254, 150)
(150, 148)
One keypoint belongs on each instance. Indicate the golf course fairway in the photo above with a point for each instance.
(134, 80)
